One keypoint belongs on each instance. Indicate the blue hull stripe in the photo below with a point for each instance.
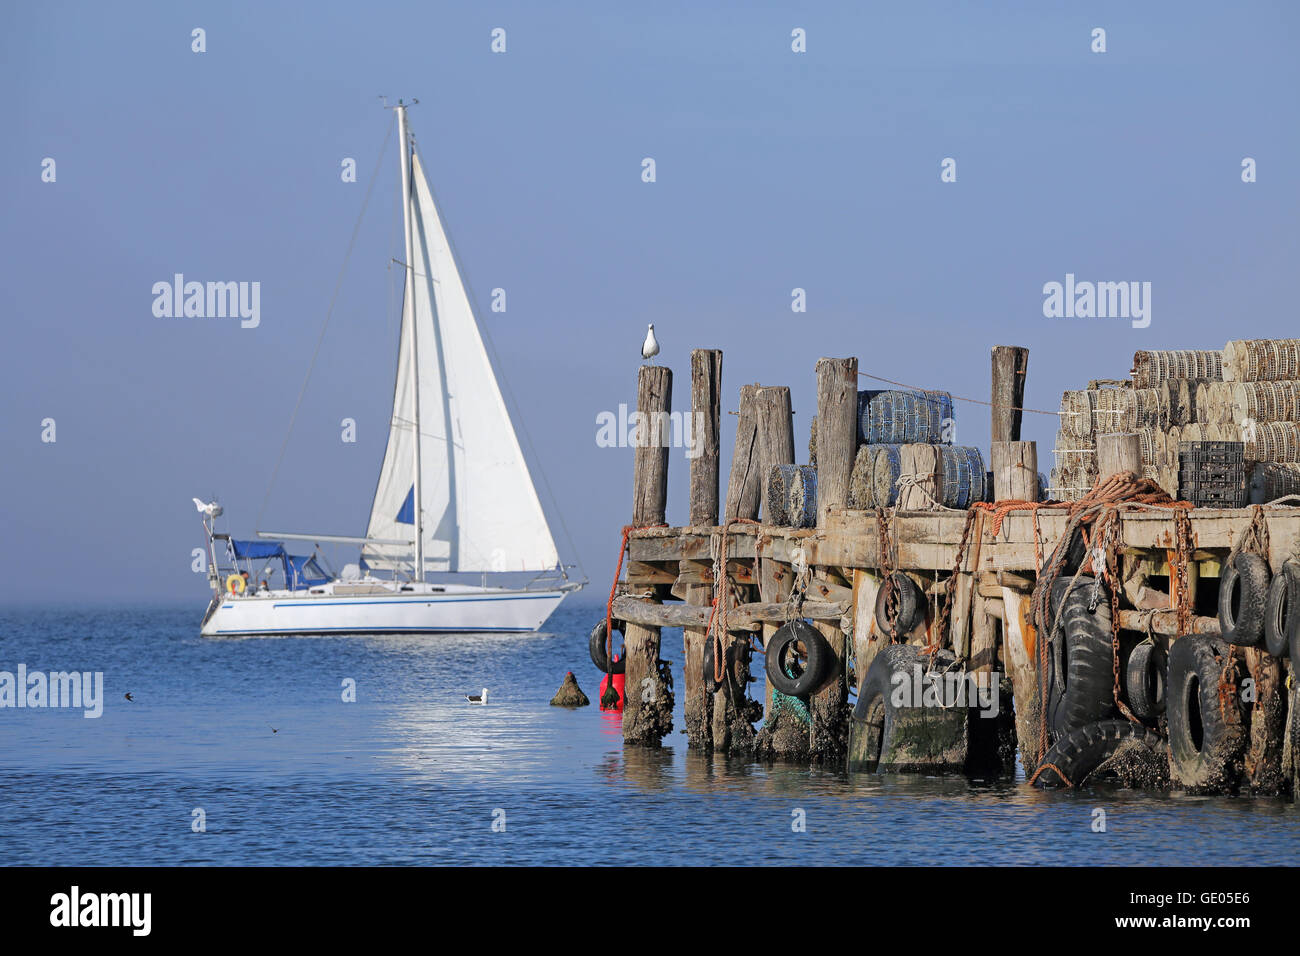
(428, 599)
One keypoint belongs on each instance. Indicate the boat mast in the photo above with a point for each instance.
(409, 300)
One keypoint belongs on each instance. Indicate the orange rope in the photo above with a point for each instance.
(613, 588)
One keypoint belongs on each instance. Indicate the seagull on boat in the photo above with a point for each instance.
(211, 509)
(477, 698)
(650, 347)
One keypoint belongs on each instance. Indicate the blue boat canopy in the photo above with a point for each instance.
(257, 549)
(302, 571)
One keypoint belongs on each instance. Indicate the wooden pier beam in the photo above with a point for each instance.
(648, 708)
(744, 617)
(1010, 363)
(706, 384)
(744, 484)
(837, 432)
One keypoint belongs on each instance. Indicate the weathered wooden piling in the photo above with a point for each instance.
(785, 733)
(1010, 364)
(1117, 453)
(1015, 470)
(837, 432)
(706, 414)
(744, 485)
(1263, 767)
(706, 398)
(648, 709)
(837, 442)
(774, 421)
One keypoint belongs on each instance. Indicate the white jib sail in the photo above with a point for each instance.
(480, 509)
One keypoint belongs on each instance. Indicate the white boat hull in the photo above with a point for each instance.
(465, 609)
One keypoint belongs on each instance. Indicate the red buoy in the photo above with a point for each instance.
(618, 689)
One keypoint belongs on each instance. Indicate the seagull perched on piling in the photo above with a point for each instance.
(211, 509)
(650, 347)
(479, 698)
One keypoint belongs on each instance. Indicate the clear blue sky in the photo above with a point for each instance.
(776, 170)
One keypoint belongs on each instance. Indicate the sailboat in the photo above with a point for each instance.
(454, 494)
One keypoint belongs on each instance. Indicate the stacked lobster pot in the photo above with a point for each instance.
(906, 458)
(1087, 413)
(792, 496)
(1248, 392)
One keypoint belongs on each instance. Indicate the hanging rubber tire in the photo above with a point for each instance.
(889, 734)
(1243, 591)
(911, 606)
(1081, 687)
(596, 647)
(1280, 610)
(1079, 753)
(1207, 734)
(1145, 681)
(790, 641)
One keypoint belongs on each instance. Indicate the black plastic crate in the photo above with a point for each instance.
(1218, 475)
(1217, 498)
(1211, 452)
(1213, 485)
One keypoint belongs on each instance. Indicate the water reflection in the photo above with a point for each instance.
(411, 772)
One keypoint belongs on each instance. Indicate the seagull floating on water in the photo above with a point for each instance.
(211, 509)
(650, 347)
(477, 698)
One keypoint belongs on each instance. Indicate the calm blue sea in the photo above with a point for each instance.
(412, 774)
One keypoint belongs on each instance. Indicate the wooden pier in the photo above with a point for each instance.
(730, 583)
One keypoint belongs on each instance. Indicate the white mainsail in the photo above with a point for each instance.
(480, 509)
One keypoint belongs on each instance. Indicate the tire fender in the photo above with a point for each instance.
(1282, 610)
(1207, 731)
(817, 655)
(1145, 681)
(596, 647)
(1243, 591)
(911, 605)
(1081, 684)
